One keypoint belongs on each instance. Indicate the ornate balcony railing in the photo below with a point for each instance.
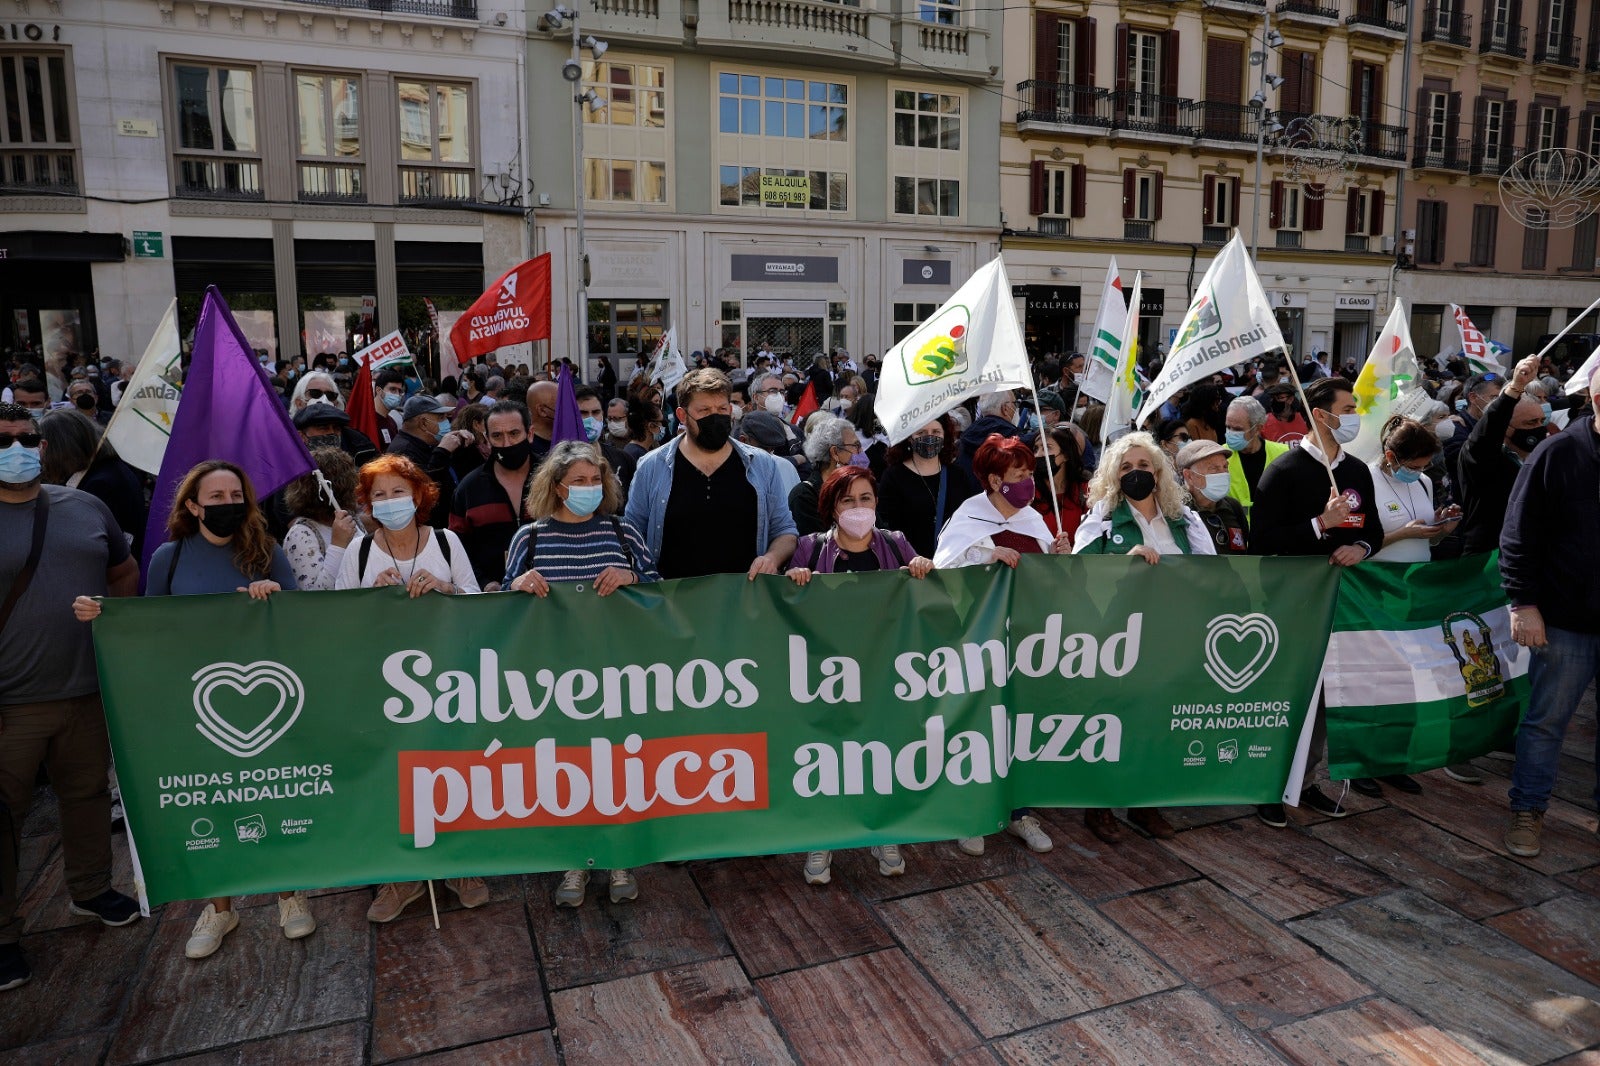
(1065, 105)
(436, 185)
(218, 178)
(1561, 49)
(450, 9)
(35, 171)
(1442, 155)
(1502, 38)
(1444, 25)
(1375, 14)
(333, 183)
(1307, 9)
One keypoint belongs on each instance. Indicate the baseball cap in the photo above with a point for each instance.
(1196, 450)
(764, 430)
(423, 404)
(320, 414)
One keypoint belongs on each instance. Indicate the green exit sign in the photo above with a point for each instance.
(148, 244)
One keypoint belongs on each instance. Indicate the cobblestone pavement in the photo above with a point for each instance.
(1401, 934)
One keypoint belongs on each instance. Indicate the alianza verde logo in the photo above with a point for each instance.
(1207, 321)
(937, 348)
(246, 724)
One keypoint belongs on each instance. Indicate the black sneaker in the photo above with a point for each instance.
(14, 969)
(1366, 786)
(1402, 783)
(1314, 799)
(1272, 814)
(110, 906)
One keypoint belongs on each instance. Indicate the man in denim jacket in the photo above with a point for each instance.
(706, 503)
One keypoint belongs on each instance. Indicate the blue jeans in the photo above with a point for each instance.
(1560, 672)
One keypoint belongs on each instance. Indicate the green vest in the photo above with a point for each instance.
(1126, 534)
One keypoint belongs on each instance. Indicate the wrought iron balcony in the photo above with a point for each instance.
(1501, 38)
(1442, 155)
(333, 183)
(436, 185)
(1357, 242)
(1443, 25)
(1593, 65)
(1382, 141)
(34, 172)
(1309, 9)
(1376, 15)
(1065, 105)
(1561, 49)
(1288, 238)
(1150, 113)
(218, 178)
(1224, 122)
(1134, 230)
(449, 9)
(1492, 158)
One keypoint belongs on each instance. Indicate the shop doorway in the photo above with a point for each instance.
(792, 329)
(1352, 338)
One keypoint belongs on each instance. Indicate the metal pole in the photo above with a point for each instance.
(1261, 138)
(581, 324)
(1400, 178)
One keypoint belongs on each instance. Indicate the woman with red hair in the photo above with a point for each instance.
(406, 552)
(853, 544)
(1000, 526)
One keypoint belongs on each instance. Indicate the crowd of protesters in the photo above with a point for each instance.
(766, 469)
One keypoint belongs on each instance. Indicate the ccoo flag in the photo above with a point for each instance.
(143, 420)
(1125, 395)
(230, 412)
(1106, 348)
(669, 368)
(1480, 353)
(516, 308)
(971, 346)
(1390, 384)
(1228, 322)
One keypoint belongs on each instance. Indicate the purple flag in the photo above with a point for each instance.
(569, 423)
(229, 411)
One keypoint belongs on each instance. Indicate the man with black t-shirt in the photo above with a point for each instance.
(488, 506)
(1297, 512)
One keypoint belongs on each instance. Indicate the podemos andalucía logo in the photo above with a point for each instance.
(249, 724)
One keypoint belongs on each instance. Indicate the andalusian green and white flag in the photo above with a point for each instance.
(1105, 348)
(1421, 671)
(1125, 392)
(142, 422)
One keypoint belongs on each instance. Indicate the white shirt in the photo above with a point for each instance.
(458, 571)
(1158, 534)
(1399, 505)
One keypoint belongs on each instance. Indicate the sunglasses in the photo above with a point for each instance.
(318, 394)
(27, 440)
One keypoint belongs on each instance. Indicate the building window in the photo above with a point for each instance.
(1590, 140)
(1143, 67)
(927, 120)
(1066, 47)
(435, 142)
(1485, 222)
(927, 196)
(1583, 244)
(1535, 243)
(217, 154)
(944, 12)
(732, 321)
(1057, 192)
(1141, 195)
(908, 317)
(1500, 25)
(1293, 201)
(626, 143)
(328, 125)
(1547, 130)
(626, 327)
(37, 150)
(783, 107)
(1438, 123)
(1222, 202)
(838, 318)
(624, 181)
(1430, 231)
(820, 190)
(635, 94)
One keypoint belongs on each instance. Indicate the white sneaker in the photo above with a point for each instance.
(294, 917)
(570, 892)
(890, 862)
(1465, 772)
(971, 845)
(1030, 832)
(819, 867)
(209, 930)
(624, 889)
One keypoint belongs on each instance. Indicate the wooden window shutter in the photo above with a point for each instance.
(1208, 189)
(1120, 60)
(1480, 117)
(1083, 46)
(1452, 116)
(1038, 188)
(1376, 229)
(1352, 211)
(1129, 178)
(1508, 130)
(1311, 209)
(1224, 71)
(1275, 206)
(1237, 184)
(1046, 55)
(1080, 190)
(1563, 120)
(1169, 63)
(1160, 183)
(1439, 233)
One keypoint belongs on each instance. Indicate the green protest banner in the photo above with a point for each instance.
(1422, 671)
(353, 737)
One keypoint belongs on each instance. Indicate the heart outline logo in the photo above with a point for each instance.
(245, 679)
(1240, 628)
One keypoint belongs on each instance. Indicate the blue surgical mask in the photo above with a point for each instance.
(393, 402)
(396, 513)
(584, 500)
(1548, 411)
(1236, 440)
(19, 465)
(444, 427)
(1461, 405)
(1349, 428)
(1407, 476)
(1216, 486)
(591, 429)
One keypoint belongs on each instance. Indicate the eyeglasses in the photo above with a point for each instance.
(319, 394)
(1183, 439)
(27, 440)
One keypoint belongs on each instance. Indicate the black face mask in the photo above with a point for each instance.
(224, 519)
(1041, 478)
(513, 456)
(1528, 439)
(712, 431)
(928, 446)
(84, 401)
(1138, 484)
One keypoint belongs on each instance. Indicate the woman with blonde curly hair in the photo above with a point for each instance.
(1136, 508)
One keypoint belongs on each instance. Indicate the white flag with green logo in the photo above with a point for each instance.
(1105, 347)
(1389, 384)
(1229, 321)
(971, 346)
(142, 422)
(1125, 393)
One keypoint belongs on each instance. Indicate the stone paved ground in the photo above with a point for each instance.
(1398, 935)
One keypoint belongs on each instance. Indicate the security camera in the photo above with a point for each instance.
(572, 70)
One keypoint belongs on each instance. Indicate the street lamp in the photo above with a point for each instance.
(572, 71)
(1265, 123)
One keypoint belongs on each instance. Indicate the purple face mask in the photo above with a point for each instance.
(1018, 493)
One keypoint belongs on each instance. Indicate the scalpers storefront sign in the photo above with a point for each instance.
(501, 733)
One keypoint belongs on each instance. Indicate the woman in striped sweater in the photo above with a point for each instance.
(577, 537)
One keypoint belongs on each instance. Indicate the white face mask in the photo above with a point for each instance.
(774, 403)
(1445, 429)
(1214, 486)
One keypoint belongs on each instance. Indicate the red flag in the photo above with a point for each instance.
(360, 407)
(807, 404)
(514, 309)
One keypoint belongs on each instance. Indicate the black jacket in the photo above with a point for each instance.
(1294, 490)
(1484, 475)
(973, 436)
(1552, 525)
